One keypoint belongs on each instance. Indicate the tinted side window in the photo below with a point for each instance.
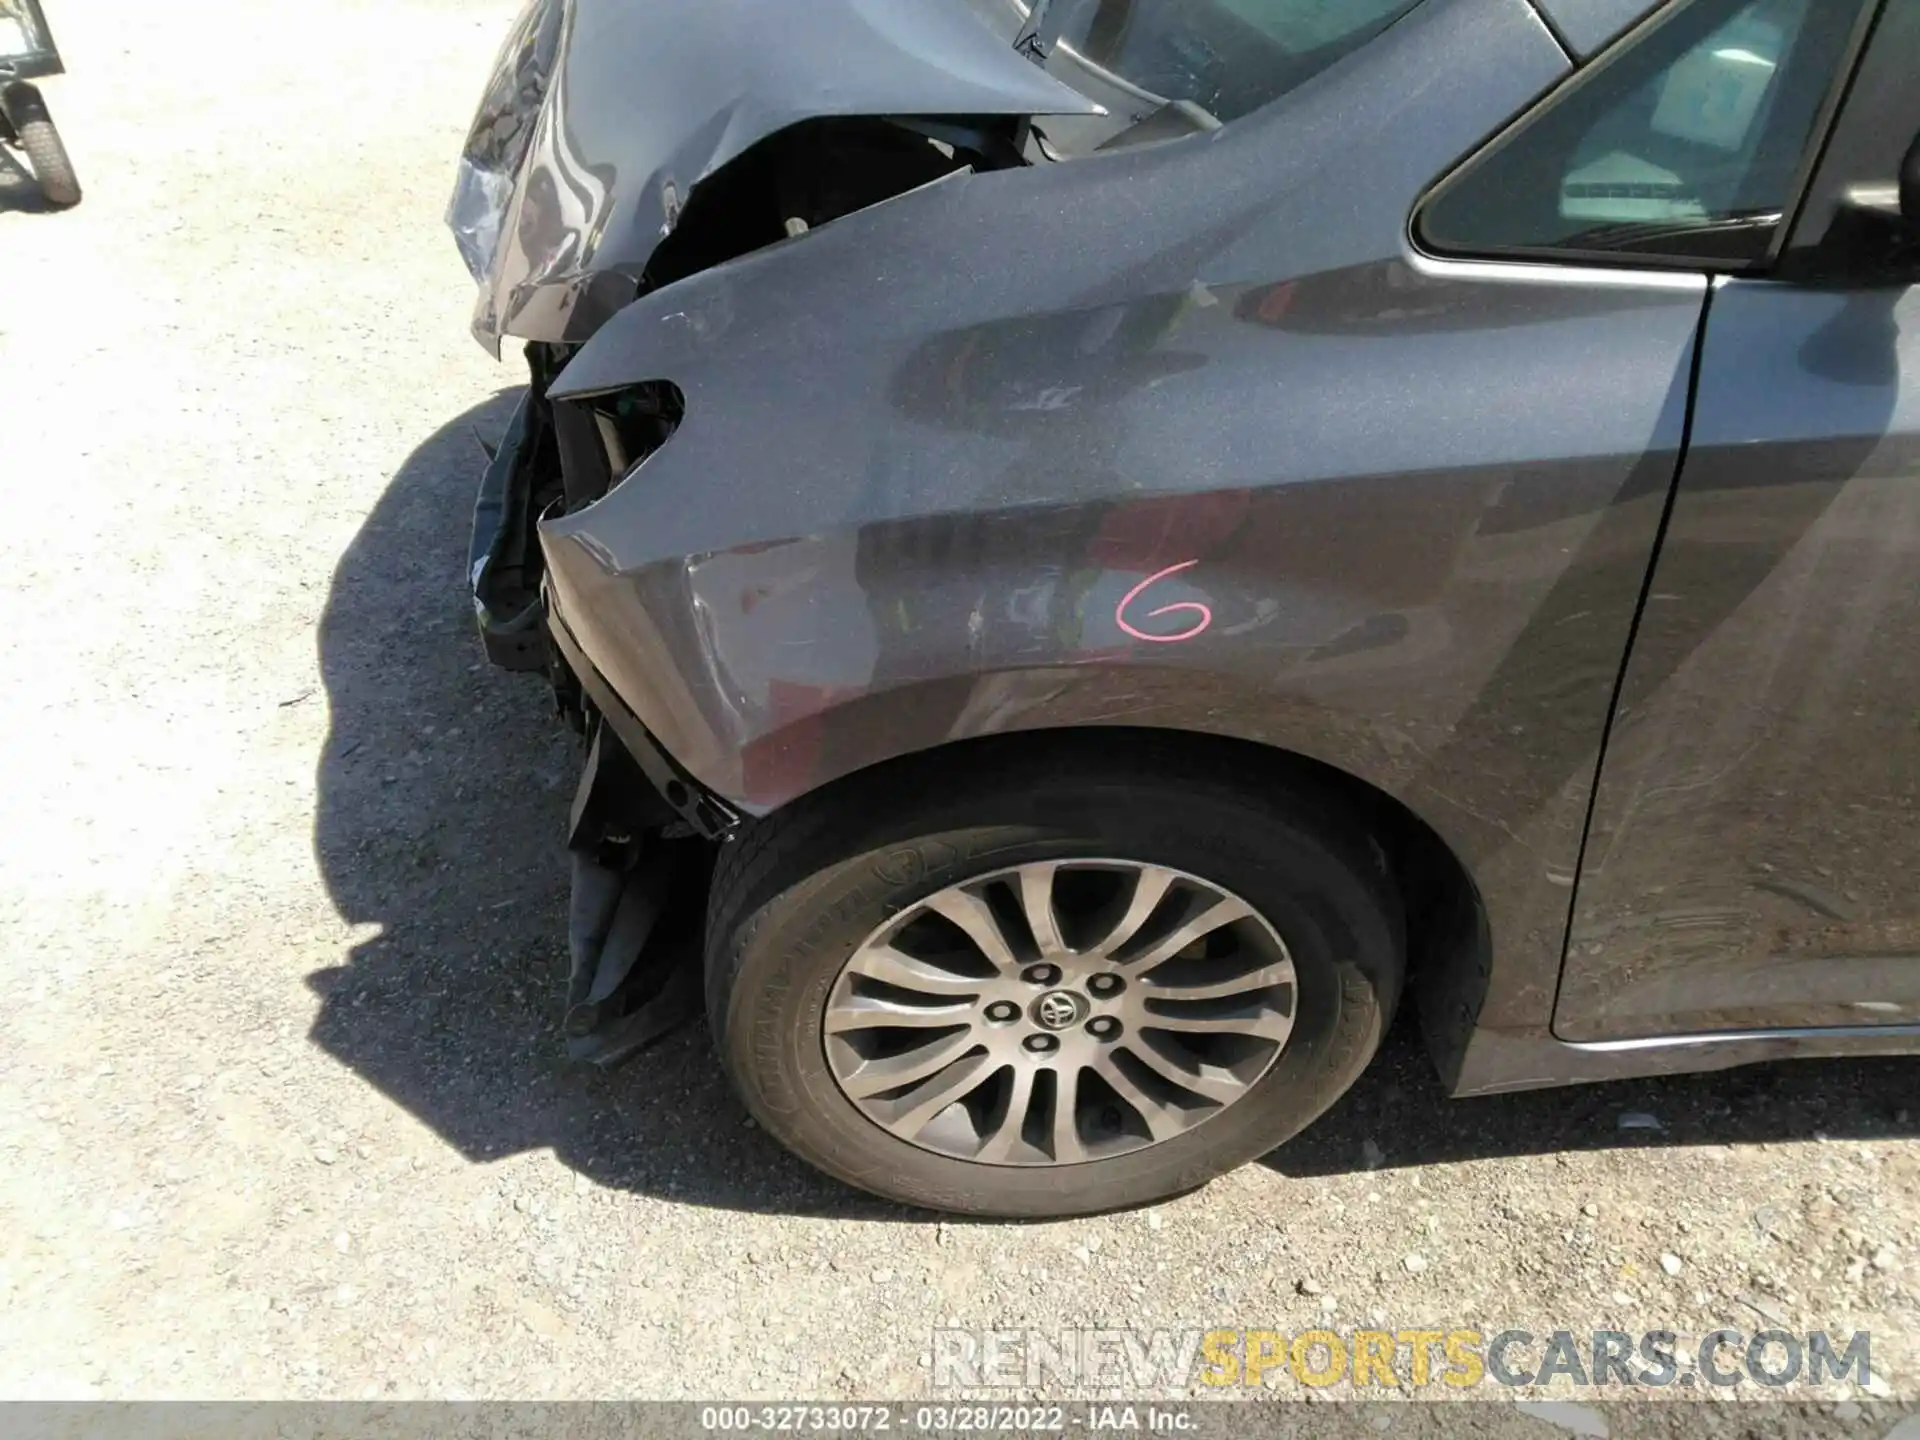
(1687, 142)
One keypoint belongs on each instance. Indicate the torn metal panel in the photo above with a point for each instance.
(603, 117)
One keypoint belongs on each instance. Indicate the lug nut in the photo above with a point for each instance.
(1042, 1044)
(1104, 1027)
(1002, 1011)
(1106, 984)
(1041, 975)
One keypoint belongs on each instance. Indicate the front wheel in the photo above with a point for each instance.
(27, 113)
(1049, 982)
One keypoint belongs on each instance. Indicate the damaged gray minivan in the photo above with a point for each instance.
(1096, 546)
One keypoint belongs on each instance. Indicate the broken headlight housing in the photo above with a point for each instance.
(502, 131)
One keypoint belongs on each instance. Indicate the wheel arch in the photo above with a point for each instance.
(1449, 948)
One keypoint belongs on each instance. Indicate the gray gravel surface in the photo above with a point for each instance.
(282, 1112)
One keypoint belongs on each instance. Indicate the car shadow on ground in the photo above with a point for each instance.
(442, 798)
(443, 789)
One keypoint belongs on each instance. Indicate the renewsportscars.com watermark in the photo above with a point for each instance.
(1141, 1360)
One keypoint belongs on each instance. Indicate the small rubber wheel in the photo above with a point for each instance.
(27, 112)
(1049, 980)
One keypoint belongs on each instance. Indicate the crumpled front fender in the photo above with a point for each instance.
(644, 102)
(1045, 422)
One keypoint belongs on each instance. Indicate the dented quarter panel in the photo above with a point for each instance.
(648, 100)
(933, 448)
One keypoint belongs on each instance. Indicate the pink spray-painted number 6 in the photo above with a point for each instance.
(1203, 616)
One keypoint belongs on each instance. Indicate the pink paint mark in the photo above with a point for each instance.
(1198, 627)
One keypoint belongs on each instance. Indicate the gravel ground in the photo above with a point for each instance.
(282, 1112)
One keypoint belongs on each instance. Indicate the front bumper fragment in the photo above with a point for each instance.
(638, 900)
(519, 631)
(509, 612)
(709, 815)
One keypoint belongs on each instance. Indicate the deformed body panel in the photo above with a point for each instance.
(1184, 436)
(633, 106)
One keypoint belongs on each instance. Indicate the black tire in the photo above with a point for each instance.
(27, 112)
(795, 894)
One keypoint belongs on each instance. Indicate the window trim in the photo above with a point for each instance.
(1647, 260)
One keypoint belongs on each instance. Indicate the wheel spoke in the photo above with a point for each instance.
(1149, 889)
(930, 1030)
(1066, 1124)
(896, 967)
(1267, 1024)
(1218, 1089)
(955, 1082)
(973, 915)
(865, 1013)
(875, 1077)
(1265, 978)
(1221, 912)
(1163, 1120)
(1036, 900)
(1007, 1134)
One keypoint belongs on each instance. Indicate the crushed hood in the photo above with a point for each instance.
(604, 115)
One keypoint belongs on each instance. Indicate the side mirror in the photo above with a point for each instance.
(1910, 185)
(1875, 235)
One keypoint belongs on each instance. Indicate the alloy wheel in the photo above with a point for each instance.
(1060, 1012)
